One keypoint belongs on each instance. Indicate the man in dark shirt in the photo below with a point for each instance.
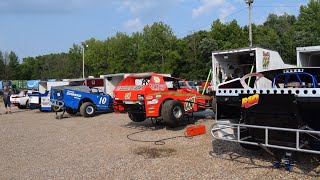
(6, 99)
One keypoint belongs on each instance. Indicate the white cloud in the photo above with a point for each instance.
(133, 24)
(135, 7)
(205, 7)
(226, 11)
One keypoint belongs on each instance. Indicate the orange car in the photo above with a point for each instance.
(151, 95)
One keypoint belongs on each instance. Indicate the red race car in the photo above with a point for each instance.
(151, 95)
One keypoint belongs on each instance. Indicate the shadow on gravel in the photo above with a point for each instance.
(18, 111)
(195, 118)
(307, 164)
(153, 153)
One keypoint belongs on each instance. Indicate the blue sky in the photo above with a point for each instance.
(36, 27)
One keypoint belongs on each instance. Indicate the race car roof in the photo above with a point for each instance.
(315, 71)
(75, 88)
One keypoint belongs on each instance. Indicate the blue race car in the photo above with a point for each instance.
(83, 99)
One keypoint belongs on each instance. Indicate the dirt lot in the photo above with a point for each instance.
(34, 145)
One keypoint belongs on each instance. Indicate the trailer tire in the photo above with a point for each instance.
(172, 113)
(137, 117)
(71, 111)
(87, 109)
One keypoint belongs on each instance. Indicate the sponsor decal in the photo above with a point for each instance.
(45, 102)
(151, 112)
(189, 103)
(156, 79)
(154, 101)
(151, 108)
(157, 87)
(158, 96)
(127, 95)
(72, 93)
(250, 101)
(265, 59)
(125, 88)
(149, 97)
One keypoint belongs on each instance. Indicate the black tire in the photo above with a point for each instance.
(214, 105)
(137, 117)
(172, 113)
(71, 111)
(87, 109)
(20, 107)
(27, 104)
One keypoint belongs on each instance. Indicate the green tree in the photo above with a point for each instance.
(123, 53)
(2, 66)
(307, 29)
(74, 65)
(157, 50)
(12, 65)
(228, 35)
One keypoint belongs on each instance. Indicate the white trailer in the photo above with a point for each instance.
(308, 56)
(112, 80)
(42, 99)
(235, 63)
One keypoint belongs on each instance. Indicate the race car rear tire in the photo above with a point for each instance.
(71, 111)
(87, 109)
(172, 113)
(20, 107)
(137, 117)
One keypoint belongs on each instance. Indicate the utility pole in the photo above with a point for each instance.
(249, 2)
(83, 47)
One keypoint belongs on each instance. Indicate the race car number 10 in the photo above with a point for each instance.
(102, 100)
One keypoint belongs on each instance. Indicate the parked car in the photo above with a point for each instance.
(21, 100)
(83, 99)
(151, 95)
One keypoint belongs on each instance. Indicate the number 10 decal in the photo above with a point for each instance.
(102, 100)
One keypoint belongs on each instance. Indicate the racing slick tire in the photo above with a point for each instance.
(71, 111)
(87, 109)
(137, 117)
(172, 113)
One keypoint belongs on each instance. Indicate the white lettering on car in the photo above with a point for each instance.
(72, 93)
(157, 87)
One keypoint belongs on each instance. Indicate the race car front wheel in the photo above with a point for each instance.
(137, 117)
(87, 109)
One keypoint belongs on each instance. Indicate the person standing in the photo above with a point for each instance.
(6, 99)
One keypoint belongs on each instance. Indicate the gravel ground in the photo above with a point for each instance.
(34, 145)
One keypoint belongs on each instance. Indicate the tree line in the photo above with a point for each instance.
(156, 48)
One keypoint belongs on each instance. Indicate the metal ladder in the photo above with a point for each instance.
(235, 137)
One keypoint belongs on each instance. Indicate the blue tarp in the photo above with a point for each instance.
(33, 84)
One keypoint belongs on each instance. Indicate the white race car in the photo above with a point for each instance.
(21, 100)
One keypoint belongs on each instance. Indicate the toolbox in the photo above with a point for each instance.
(196, 130)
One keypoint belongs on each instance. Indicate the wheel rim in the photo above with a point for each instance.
(89, 110)
(177, 112)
